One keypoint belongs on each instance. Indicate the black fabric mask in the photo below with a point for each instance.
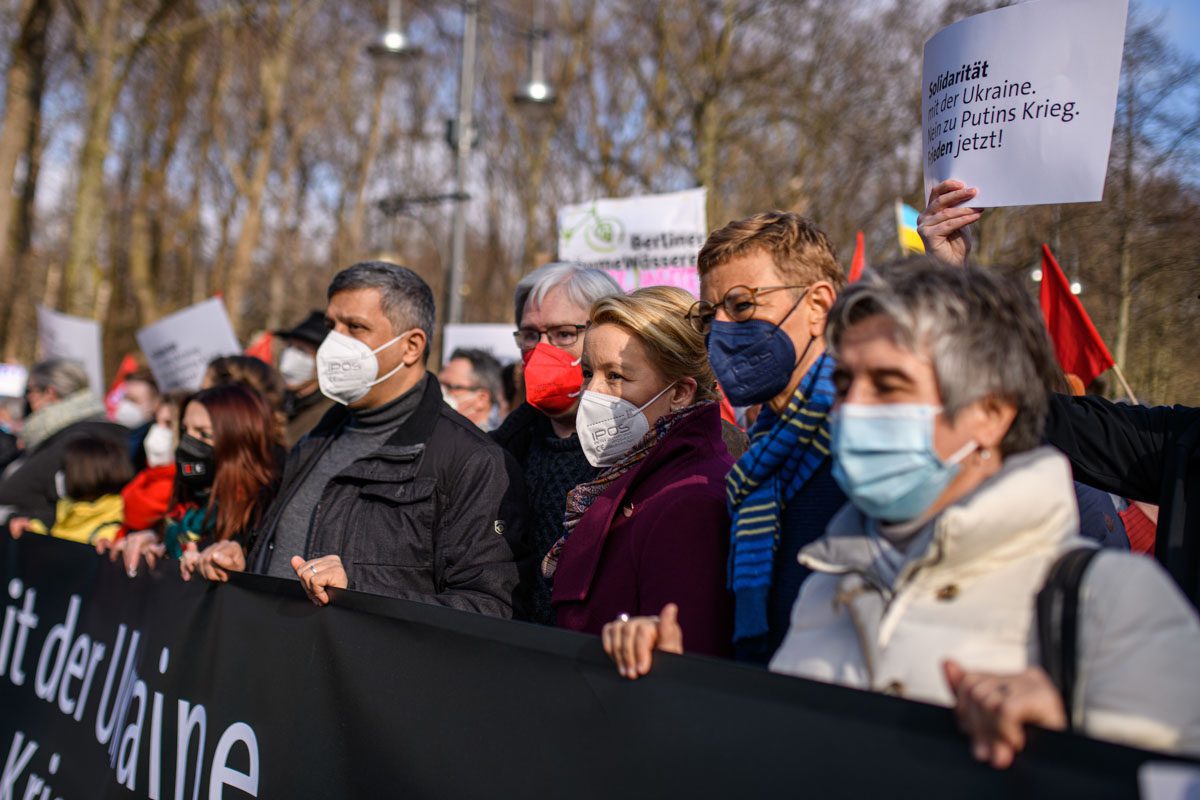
(194, 465)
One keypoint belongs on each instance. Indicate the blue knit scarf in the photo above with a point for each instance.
(784, 453)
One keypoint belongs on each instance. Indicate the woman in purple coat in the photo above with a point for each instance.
(653, 526)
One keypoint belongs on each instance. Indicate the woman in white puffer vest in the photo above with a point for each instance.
(925, 585)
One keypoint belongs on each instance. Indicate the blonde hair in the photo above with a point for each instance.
(656, 315)
(801, 251)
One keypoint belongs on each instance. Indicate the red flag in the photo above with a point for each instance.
(860, 258)
(1078, 346)
(727, 412)
(1139, 528)
(128, 366)
(261, 348)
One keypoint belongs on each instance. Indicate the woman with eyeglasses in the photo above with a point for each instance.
(552, 305)
(651, 527)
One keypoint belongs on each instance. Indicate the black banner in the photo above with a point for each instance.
(152, 687)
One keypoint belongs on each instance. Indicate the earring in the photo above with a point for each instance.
(985, 455)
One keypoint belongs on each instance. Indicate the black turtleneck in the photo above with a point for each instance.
(365, 432)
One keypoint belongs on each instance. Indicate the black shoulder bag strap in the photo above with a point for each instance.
(1058, 623)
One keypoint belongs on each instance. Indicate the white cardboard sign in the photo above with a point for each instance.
(495, 338)
(1019, 102)
(641, 241)
(77, 338)
(178, 347)
(12, 380)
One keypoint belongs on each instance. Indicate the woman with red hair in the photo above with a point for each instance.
(227, 468)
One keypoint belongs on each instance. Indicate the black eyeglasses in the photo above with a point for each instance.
(739, 303)
(459, 387)
(559, 336)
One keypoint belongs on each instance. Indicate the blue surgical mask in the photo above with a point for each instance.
(753, 360)
(883, 459)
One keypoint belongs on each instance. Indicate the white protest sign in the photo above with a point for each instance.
(178, 347)
(12, 380)
(496, 339)
(1019, 102)
(77, 338)
(640, 241)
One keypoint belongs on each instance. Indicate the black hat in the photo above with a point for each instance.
(311, 330)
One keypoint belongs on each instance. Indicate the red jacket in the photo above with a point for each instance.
(147, 497)
(658, 535)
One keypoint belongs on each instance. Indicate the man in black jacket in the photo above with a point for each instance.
(393, 493)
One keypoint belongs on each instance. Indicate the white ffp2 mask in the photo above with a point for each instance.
(130, 414)
(296, 367)
(346, 367)
(609, 427)
(159, 445)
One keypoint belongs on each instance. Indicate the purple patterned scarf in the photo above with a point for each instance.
(582, 496)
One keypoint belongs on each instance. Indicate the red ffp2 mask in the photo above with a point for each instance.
(553, 379)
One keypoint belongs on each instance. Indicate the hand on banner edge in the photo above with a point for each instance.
(631, 642)
(320, 574)
(189, 560)
(18, 526)
(993, 710)
(944, 224)
(218, 560)
(132, 548)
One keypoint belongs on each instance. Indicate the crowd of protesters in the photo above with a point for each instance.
(916, 495)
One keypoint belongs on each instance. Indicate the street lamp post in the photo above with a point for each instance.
(394, 43)
(536, 92)
(464, 136)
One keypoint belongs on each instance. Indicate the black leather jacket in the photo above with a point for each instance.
(436, 514)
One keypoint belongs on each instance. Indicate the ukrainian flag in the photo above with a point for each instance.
(906, 229)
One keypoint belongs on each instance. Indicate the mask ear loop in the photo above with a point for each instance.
(387, 344)
(794, 307)
(960, 455)
(811, 339)
(652, 399)
(579, 393)
(378, 350)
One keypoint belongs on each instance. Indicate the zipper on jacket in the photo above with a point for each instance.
(282, 500)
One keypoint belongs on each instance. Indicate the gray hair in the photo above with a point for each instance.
(584, 285)
(486, 369)
(63, 375)
(982, 332)
(406, 299)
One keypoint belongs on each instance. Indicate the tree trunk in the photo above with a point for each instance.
(272, 81)
(291, 210)
(19, 135)
(193, 285)
(20, 333)
(22, 102)
(709, 122)
(150, 203)
(349, 248)
(88, 219)
(1125, 233)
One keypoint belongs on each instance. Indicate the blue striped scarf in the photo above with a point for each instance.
(784, 453)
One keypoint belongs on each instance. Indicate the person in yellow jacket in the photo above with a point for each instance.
(90, 507)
